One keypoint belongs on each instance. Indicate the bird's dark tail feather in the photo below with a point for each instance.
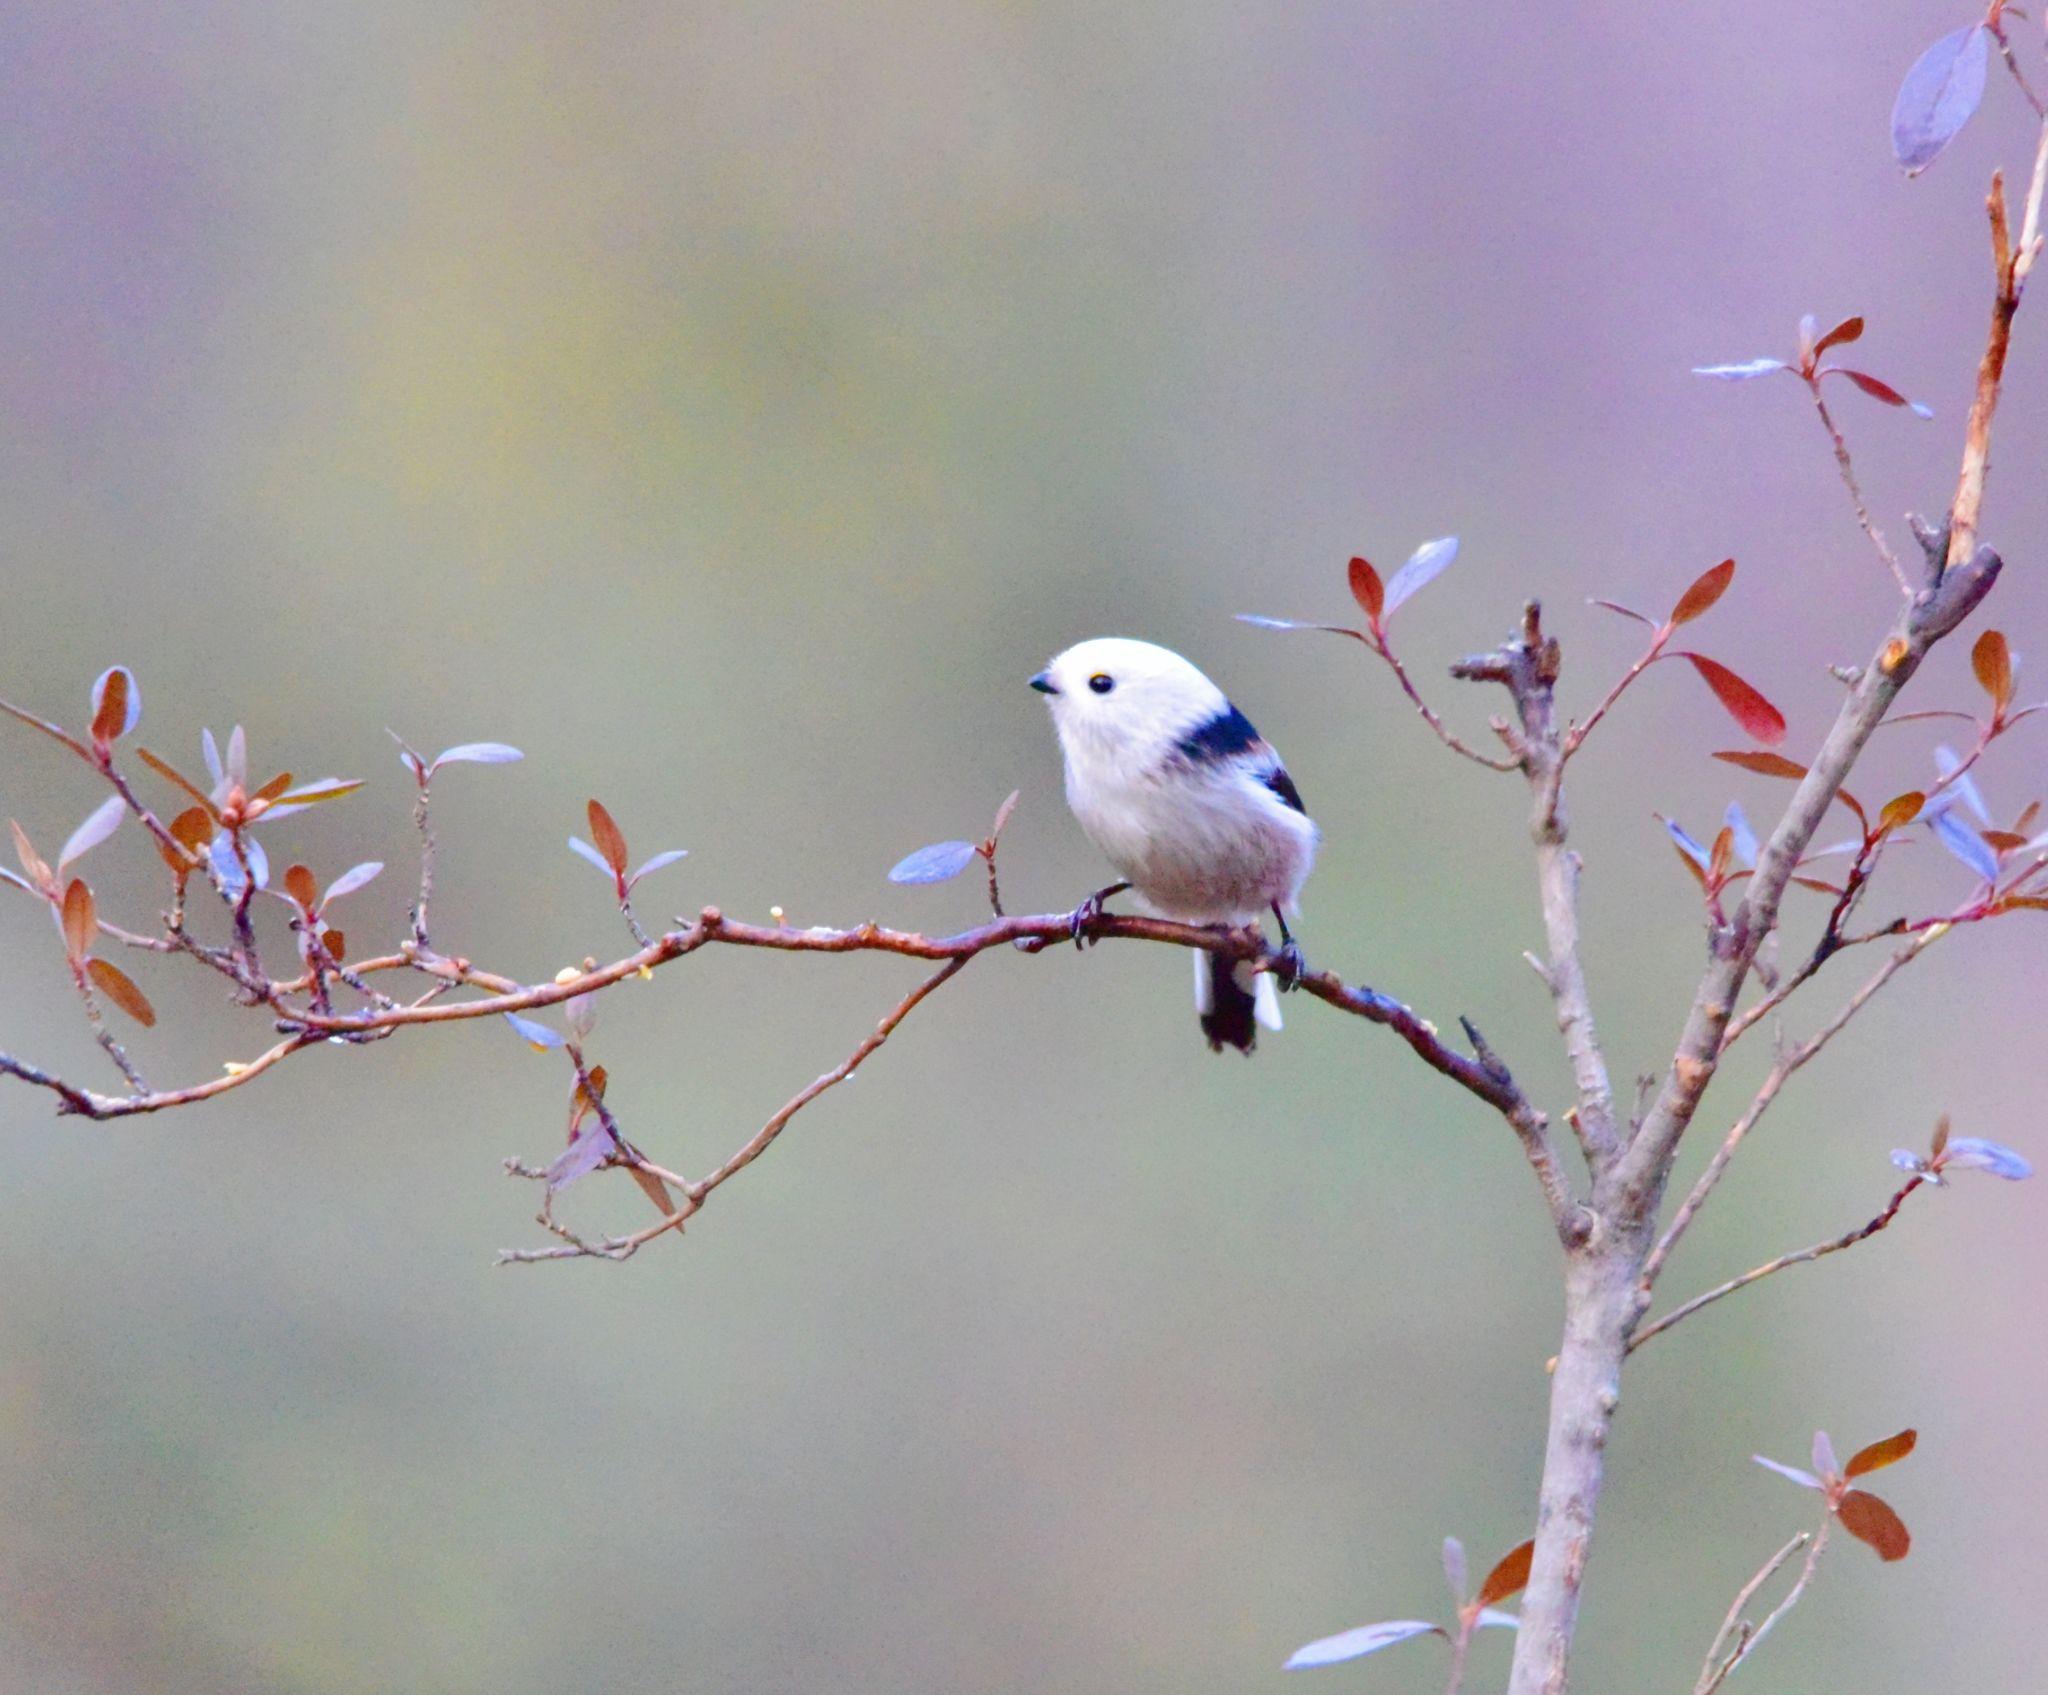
(1227, 1010)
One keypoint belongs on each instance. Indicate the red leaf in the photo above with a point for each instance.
(1849, 329)
(336, 945)
(1699, 874)
(1901, 810)
(81, 920)
(170, 776)
(112, 717)
(1507, 1577)
(1874, 388)
(605, 836)
(1625, 611)
(1764, 764)
(1870, 1520)
(1818, 887)
(1888, 1452)
(299, 884)
(115, 984)
(1707, 588)
(1747, 707)
(1991, 659)
(1366, 589)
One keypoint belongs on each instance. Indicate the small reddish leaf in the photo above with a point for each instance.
(1707, 588)
(1745, 705)
(1817, 885)
(170, 776)
(1763, 764)
(1901, 810)
(272, 789)
(112, 696)
(335, 943)
(299, 884)
(608, 839)
(1507, 1577)
(1991, 659)
(1003, 812)
(1721, 854)
(81, 920)
(31, 861)
(1884, 391)
(1699, 871)
(116, 985)
(1879, 1454)
(1871, 1520)
(1849, 329)
(1940, 1135)
(2005, 841)
(192, 829)
(1366, 588)
(1625, 611)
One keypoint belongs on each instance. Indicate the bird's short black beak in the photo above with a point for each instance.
(1044, 684)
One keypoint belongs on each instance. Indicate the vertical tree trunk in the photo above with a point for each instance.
(1600, 1306)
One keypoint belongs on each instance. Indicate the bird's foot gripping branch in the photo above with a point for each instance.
(1781, 908)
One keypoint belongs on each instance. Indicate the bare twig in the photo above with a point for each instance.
(1847, 467)
(1737, 1629)
(1804, 1256)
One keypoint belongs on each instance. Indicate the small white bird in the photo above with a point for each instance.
(1190, 805)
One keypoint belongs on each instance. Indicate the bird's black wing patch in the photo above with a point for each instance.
(1283, 785)
(1229, 732)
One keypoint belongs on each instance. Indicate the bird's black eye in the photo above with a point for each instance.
(1102, 682)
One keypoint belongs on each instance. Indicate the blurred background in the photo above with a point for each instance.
(731, 406)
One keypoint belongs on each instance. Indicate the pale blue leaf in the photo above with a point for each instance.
(1687, 846)
(1260, 622)
(1973, 1153)
(1493, 1618)
(592, 1147)
(1965, 786)
(238, 757)
(99, 689)
(1454, 1569)
(1939, 96)
(351, 880)
(21, 883)
(1907, 1160)
(228, 869)
(1962, 841)
(657, 862)
(1350, 1644)
(476, 753)
(933, 864)
(211, 749)
(531, 1032)
(1740, 373)
(1746, 847)
(1424, 566)
(1805, 1479)
(105, 819)
(578, 846)
(1824, 1455)
(582, 1014)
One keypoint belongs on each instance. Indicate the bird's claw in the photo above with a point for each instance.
(1089, 913)
(1288, 964)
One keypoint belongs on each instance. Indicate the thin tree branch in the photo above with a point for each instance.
(1711, 1677)
(1804, 1256)
(1712, 1674)
(1780, 1073)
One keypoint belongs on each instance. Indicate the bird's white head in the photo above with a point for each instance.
(1114, 698)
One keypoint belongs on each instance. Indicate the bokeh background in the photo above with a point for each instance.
(731, 405)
